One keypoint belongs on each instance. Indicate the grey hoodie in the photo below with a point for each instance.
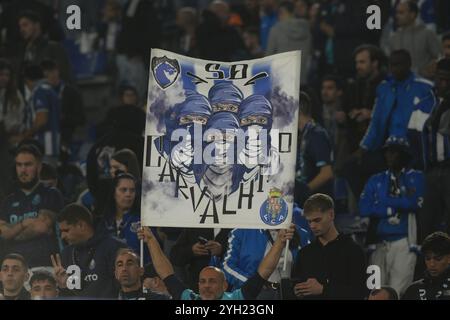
(422, 44)
(289, 35)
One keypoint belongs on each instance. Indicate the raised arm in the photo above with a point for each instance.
(161, 263)
(252, 287)
(270, 261)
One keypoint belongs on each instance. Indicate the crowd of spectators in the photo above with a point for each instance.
(374, 144)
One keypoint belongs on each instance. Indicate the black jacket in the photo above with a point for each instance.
(361, 94)
(98, 162)
(218, 42)
(125, 117)
(145, 20)
(42, 49)
(339, 266)
(430, 288)
(347, 36)
(96, 260)
(8, 21)
(181, 254)
(72, 111)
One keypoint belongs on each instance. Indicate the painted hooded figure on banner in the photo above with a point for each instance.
(221, 173)
(225, 97)
(255, 116)
(195, 110)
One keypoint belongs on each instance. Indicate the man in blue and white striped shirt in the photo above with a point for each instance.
(42, 113)
(436, 148)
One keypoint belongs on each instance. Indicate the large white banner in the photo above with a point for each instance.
(221, 142)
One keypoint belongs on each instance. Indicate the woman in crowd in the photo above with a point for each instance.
(122, 161)
(121, 216)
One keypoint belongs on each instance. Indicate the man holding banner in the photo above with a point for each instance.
(220, 152)
(212, 284)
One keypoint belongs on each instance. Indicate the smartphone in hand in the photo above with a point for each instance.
(202, 240)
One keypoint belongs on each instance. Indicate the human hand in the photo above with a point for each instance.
(309, 288)
(214, 247)
(286, 234)
(340, 116)
(60, 273)
(147, 283)
(354, 113)
(363, 115)
(327, 29)
(199, 249)
(144, 233)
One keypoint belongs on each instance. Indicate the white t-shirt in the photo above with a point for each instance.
(278, 274)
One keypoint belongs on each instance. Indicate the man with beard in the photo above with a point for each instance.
(35, 47)
(369, 62)
(404, 101)
(27, 217)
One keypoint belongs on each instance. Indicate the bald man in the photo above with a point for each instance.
(212, 284)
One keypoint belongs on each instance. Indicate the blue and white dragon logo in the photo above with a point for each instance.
(165, 71)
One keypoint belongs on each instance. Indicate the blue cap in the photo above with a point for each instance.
(397, 142)
(256, 109)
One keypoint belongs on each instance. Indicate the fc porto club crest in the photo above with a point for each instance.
(36, 200)
(92, 264)
(165, 71)
(274, 210)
